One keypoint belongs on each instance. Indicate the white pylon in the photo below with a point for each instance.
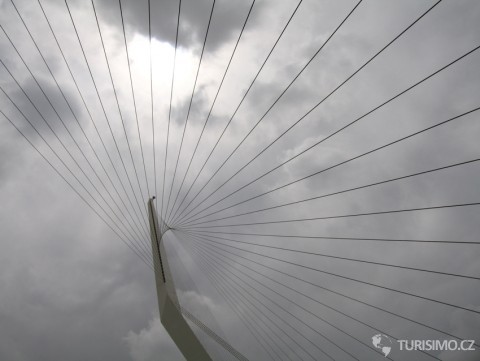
(168, 305)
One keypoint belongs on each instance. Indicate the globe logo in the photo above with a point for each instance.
(383, 343)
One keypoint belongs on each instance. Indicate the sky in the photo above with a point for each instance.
(70, 288)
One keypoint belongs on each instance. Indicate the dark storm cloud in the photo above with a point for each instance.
(227, 20)
(40, 111)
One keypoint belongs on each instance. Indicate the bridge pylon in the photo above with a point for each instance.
(170, 311)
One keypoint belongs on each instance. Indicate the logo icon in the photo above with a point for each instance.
(383, 343)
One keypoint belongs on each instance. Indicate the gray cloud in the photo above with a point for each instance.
(227, 20)
(69, 289)
(145, 345)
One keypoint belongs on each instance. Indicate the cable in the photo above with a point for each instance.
(196, 251)
(56, 136)
(245, 292)
(188, 111)
(151, 96)
(366, 283)
(133, 94)
(74, 115)
(274, 103)
(385, 240)
(339, 192)
(244, 96)
(103, 109)
(303, 308)
(342, 215)
(60, 119)
(277, 304)
(96, 129)
(170, 108)
(118, 103)
(227, 266)
(337, 164)
(211, 108)
(206, 329)
(303, 280)
(343, 258)
(129, 245)
(277, 346)
(338, 87)
(226, 294)
(181, 219)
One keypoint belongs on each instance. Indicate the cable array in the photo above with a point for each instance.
(270, 249)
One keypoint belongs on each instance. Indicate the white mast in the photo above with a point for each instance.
(169, 307)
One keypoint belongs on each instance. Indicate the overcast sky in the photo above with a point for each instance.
(71, 290)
